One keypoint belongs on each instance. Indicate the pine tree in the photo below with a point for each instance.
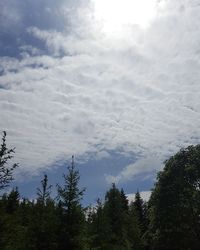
(116, 211)
(12, 236)
(98, 227)
(139, 208)
(6, 172)
(13, 201)
(134, 230)
(44, 192)
(73, 214)
(138, 214)
(42, 234)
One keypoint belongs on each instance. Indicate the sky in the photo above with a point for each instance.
(115, 83)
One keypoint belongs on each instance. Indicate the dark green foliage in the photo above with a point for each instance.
(111, 225)
(134, 231)
(12, 230)
(70, 195)
(72, 223)
(6, 172)
(117, 214)
(138, 212)
(98, 227)
(175, 202)
(44, 192)
(139, 208)
(42, 220)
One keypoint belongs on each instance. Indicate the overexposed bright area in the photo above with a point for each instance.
(115, 15)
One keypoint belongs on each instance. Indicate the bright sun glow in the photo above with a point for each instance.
(117, 15)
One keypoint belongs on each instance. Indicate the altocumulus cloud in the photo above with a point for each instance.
(73, 90)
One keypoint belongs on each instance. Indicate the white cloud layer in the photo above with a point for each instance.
(139, 93)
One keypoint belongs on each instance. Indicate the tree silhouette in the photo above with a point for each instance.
(6, 172)
(73, 218)
(175, 202)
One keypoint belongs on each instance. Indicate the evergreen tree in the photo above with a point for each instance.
(44, 192)
(13, 201)
(12, 236)
(72, 216)
(124, 201)
(6, 172)
(134, 230)
(139, 208)
(138, 213)
(116, 212)
(43, 234)
(99, 228)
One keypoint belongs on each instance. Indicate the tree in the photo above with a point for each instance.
(138, 213)
(13, 201)
(116, 211)
(6, 172)
(44, 192)
(134, 230)
(98, 227)
(139, 209)
(43, 234)
(73, 214)
(12, 235)
(175, 203)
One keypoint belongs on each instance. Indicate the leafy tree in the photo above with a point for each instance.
(6, 172)
(175, 203)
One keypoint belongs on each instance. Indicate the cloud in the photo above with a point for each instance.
(138, 94)
(145, 195)
(16, 17)
(144, 165)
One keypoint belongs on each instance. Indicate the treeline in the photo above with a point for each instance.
(170, 220)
